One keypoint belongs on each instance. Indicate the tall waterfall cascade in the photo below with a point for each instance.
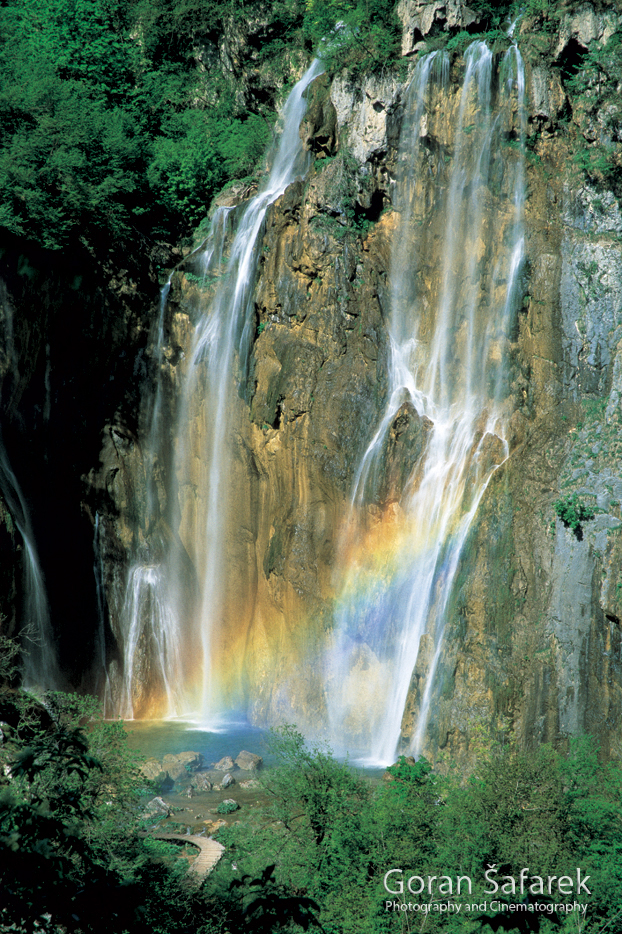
(455, 266)
(454, 281)
(172, 602)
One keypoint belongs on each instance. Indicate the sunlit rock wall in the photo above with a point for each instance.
(533, 638)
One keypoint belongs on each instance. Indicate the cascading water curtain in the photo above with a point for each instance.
(168, 633)
(456, 260)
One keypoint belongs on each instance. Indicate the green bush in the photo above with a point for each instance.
(227, 807)
(573, 511)
(594, 92)
(363, 35)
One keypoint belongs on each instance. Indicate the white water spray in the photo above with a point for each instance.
(448, 363)
(159, 629)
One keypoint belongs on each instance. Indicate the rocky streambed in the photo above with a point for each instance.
(199, 797)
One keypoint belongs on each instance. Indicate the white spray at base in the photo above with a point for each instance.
(155, 620)
(449, 364)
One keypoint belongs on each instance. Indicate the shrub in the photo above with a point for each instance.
(227, 807)
(573, 511)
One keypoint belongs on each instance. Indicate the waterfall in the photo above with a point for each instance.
(167, 633)
(450, 319)
(103, 686)
(39, 667)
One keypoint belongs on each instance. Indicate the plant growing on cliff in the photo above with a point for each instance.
(594, 91)
(573, 512)
(362, 35)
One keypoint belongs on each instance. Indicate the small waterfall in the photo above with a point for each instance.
(153, 643)
(451, 313)
(153, 446)
(103, 687)
(40, 666)
(168, 638)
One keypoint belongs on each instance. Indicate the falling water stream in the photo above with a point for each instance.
(448, 340)
(39, 667)
(172, 643)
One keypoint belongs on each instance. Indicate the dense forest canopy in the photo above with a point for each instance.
(119, 115)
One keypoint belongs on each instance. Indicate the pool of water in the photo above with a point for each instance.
(158, 738)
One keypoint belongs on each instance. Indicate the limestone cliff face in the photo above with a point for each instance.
(533, 639)
(533, 626)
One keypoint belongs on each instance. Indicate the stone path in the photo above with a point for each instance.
(210, 851)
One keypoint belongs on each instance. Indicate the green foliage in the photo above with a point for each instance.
(573, 511)
(491, 13)
(360, 34)
(342, 193)
(594, 91)
(72, 858)
(118, 117)
(9, 655)
(593, 797)
(310, 787)
(51, 874)
(108, 126)
(199, 151)
(268, 906)
(405, 809)
(315, 858)
(541, 809)
(227, 807)
(69, 150)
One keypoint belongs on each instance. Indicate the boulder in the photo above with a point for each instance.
(227, 781)
(226, 764)
(248, 761)
(200, 782)
(180, 765)
(157, 807)
(152, 769)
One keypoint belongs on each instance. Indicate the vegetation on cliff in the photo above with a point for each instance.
(121, 117)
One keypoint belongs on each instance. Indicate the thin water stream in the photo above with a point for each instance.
(40, 669)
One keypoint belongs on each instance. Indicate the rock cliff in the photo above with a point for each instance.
(532, 642)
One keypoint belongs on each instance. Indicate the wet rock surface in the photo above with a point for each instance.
(521, 642)
(200, 802)
(533, 626)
